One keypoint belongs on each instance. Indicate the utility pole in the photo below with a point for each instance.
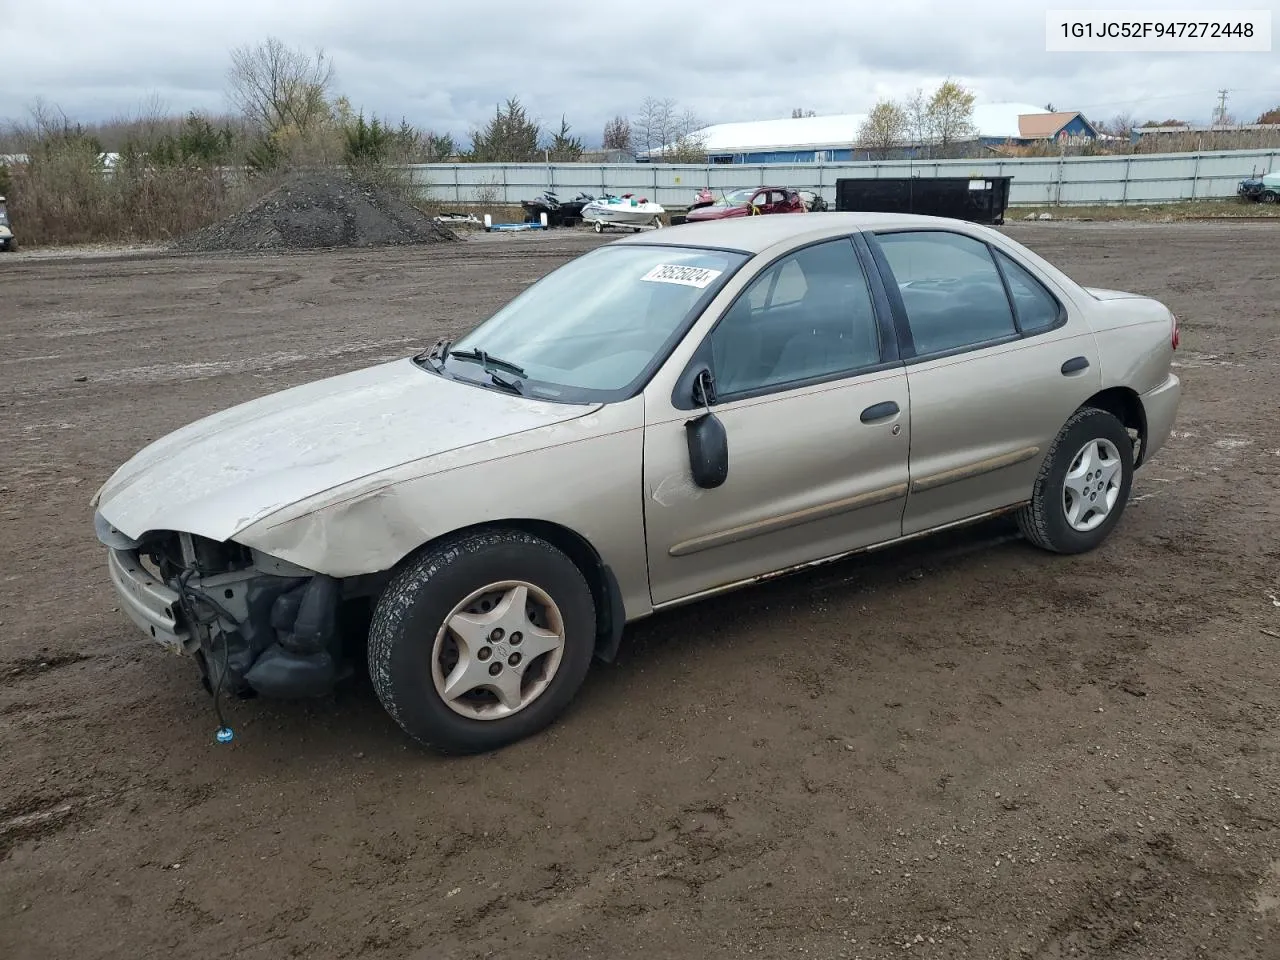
(1220, 115)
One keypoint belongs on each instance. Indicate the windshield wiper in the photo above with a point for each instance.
(501, 381)
(435, 352)
(487, 361)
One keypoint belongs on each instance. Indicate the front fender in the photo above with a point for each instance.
(584, 475)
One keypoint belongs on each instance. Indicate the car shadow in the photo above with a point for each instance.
(353, 720)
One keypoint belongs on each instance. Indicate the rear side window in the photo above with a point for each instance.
(951, 289)
(1038, 311)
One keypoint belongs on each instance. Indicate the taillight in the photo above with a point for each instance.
(1177, 333)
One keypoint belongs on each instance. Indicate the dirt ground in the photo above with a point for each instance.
(966, 748)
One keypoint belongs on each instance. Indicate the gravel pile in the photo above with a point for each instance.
(316, 212)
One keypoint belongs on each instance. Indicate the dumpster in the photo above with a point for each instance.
(976, 199)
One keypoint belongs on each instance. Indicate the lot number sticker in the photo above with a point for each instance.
(687, 276)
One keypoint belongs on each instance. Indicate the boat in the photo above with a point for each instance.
(560, 213)
(627, 211)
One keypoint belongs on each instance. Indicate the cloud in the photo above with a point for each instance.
(445, 67)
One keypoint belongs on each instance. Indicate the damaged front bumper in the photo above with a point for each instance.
(254, 624)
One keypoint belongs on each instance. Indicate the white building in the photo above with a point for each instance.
(832, 138)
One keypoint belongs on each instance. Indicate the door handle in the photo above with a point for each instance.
(879, 411)
(1075, 364)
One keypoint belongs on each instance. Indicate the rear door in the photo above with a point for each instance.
(996, 362)
(815, 408)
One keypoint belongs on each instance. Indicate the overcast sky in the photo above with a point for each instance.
(444, 66)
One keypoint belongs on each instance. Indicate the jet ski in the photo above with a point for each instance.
(560, 213)
(627, 210)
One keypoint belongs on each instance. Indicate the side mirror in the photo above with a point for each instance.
(706, 437)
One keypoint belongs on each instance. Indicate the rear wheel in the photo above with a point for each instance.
(482, 641)
(1083, 485)
(1270, 196)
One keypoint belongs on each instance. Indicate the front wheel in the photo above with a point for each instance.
(1083, 485)
(482, 640)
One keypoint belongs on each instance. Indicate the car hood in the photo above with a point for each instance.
(716, 212)
(219, 475)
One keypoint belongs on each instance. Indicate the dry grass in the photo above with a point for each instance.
(170, 178)
(53, 204)
(1153, 212)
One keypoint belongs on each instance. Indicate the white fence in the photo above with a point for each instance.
(1145, 178)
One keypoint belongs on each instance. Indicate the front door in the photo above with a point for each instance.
(761, 203)
(818, 432)
(1000, 363)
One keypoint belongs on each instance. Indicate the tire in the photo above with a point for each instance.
(408, 640)
(598, 226)
(1270, 196)
(1044, 520)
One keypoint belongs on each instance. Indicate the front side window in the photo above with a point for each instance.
(590, 329)
(951, 290)
(808, 316)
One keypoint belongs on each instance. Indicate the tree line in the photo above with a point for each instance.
(287, 113)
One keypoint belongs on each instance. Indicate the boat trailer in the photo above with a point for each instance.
(490, 226)
(599, 226)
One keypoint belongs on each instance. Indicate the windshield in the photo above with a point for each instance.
(4, 216)
(737, 198)
(594, 327)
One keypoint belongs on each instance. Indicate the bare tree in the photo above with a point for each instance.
(47, 118)
(886, 127)
(916, 110)
(656, 123)
(687, 124)
(676, 137)
(799, 112)
(617, 135)
(278, 87)
(1121, 125)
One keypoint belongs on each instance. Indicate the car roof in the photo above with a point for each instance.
(755, 234)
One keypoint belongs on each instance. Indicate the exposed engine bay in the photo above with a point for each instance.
(255, 625)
